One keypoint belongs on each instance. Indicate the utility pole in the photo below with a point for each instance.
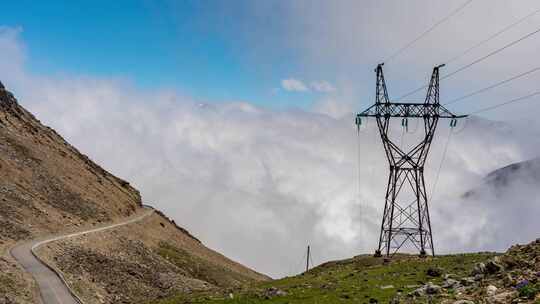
(308, 257)
(406, 214)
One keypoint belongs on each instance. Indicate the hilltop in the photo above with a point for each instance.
(512, 277)
(47, 187)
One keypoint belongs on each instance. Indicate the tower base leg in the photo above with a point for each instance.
(377, 254)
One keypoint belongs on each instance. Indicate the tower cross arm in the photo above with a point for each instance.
(408, 110)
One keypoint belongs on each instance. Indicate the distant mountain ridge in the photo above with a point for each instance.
(501, 179)
(529, 168)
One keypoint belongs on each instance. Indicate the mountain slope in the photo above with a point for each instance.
(501, 181)
(47, 186)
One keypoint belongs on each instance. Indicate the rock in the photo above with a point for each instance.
(434, 271)
(419, 291)
(387, 287)
(450, 283)
(395, 301)
(491, 290)
(463, 302)
(502, 298)
(479, 268)
(449, 276)
(274, 292)
(493, 267)
(6, 300)
(467, 281)
(460, 289)
(508, 280)
(479, 277)
(432, 288)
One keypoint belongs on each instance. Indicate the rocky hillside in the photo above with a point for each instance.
(47, 186)
(480, 278)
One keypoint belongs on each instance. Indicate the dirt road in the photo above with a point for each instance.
(52, 287)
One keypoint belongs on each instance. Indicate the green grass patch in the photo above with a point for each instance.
(358, 280)
(529, 291)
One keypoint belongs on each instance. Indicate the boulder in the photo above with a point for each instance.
(434, 271)
(508, 280)
(274, 292)
(432, 288)
(419, 291)
(479, 277)
(6, 300)
(502, 298)
(493, 267)
(450, 283)
(491, 290)
(479, 268)
(467, 281)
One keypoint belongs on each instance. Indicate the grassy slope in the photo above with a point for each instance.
(356, 280)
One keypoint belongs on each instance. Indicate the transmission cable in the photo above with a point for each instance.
(359, 172)
(429, 30)
(491, 54)
(475, 61)
(505, 103)
(492, 86)
(445, 151)
(505, 29)
(515, 100)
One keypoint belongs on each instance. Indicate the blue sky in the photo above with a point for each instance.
(219, 51)
(155, 44)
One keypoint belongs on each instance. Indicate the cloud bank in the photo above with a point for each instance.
(259, 185)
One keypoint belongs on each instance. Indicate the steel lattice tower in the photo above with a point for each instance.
(405, 221)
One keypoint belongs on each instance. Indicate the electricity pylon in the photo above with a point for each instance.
(405, 221)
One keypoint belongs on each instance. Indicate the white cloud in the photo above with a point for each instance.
(294, 85)
(322, 86)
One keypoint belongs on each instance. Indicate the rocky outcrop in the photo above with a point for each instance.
(513, 277)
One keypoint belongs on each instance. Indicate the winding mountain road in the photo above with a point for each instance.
(52, 286)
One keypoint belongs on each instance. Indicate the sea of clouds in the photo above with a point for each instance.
(259, 184)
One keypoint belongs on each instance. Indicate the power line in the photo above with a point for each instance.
(505, 29)
(412, 92)
(506, 103)
(476, 61)
(492, 86)
(445, 151)
(490, 54)
(429, 30)
(359, 172)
